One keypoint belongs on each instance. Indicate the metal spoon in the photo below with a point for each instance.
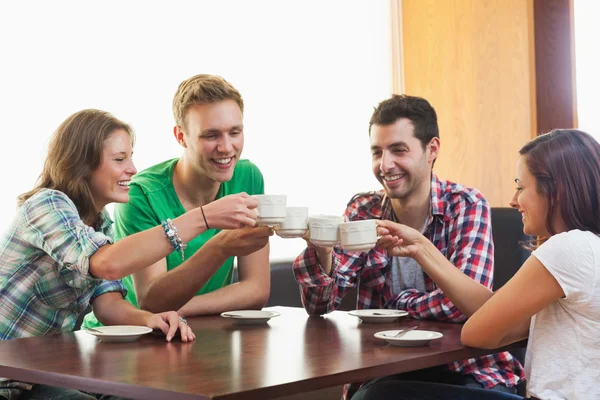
(94, 330)
(402, 332)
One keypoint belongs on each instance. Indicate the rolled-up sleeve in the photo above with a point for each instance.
(107, 287)
(54, 225)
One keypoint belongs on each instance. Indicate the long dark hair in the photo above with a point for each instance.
(566, 167)
(74, 152)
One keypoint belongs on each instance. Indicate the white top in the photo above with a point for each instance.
(563, 353)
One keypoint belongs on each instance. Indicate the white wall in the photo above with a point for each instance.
(587, 64)
(310, 73)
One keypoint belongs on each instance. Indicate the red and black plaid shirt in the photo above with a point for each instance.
(459, 226)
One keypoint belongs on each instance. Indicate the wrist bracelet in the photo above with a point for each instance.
(204, 216)
(174, 238)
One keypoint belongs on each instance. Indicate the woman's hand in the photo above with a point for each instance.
(399, 240)
(232, 212)
(168, 322)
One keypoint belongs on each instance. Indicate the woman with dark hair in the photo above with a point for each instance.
(57, 257)
(554, 299)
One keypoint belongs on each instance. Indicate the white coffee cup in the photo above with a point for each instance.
(358, 235)
(271, 209)
(295, 223)
(324, 230)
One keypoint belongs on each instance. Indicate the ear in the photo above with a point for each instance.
(179, 136)
(433, 149)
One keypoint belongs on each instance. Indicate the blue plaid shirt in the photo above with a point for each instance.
(45, 283)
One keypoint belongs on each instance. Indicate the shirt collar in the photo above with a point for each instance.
(437, 203)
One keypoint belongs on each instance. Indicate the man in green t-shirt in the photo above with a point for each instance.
(209, 126)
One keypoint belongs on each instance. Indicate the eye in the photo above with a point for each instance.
(399, 151)
(235, 133)
(120, 159)
(376, 154)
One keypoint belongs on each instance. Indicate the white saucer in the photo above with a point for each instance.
(270, 221)
(119, 333)
(412, 338)
(250, 316)
(378, 316)
(359, 247)
(290, 233)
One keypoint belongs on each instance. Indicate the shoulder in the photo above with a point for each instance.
(366, 205)
(154, 178)
(455, 199)
(246, 178)
(571, 257)
(574, 242)
(48, 199)
(246, 167)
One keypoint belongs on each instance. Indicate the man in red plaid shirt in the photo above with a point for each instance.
(404, 145)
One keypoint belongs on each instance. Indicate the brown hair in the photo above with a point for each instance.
(74, 152)
(566, 167)
(202, 89)
(416, 109)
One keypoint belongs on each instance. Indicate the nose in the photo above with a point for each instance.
(131, 169)
(225, 145)
(513, 202)
(386, 163)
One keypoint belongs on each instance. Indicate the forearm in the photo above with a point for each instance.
(142, 249)
(238, 296)
(319, 291)
(172, 290)
(320, 300)
(112, 309)
(464, 292)
(324, 258)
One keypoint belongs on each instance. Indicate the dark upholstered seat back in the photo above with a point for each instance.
(509, 255)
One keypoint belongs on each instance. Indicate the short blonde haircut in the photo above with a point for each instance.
(202, 89)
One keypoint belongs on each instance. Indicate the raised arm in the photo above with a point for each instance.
(463, 275)
(145, 248)
(496, 324)
(155, 286)
(251, 292)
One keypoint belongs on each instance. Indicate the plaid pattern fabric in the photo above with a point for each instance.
(44, 269)
(459, 226)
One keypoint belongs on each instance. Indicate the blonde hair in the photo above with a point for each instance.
(74, 152)
(202, 89)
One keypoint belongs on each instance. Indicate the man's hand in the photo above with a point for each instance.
(168, 322)
(243, 241)
(323, 253)
(231, 212)
(399, 240)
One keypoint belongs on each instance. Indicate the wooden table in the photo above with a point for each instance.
(292, 353)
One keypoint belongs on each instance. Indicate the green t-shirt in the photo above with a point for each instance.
(152, 199)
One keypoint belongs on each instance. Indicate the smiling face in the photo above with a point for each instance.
(213, 138)
(399, 161)
(110, 181)
(530, 203)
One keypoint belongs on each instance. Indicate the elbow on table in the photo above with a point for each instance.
(475, 338)
(259, 301)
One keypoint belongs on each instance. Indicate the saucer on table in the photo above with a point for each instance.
(409, 339)
(250, 316)
(381, 316)
(119, 333)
